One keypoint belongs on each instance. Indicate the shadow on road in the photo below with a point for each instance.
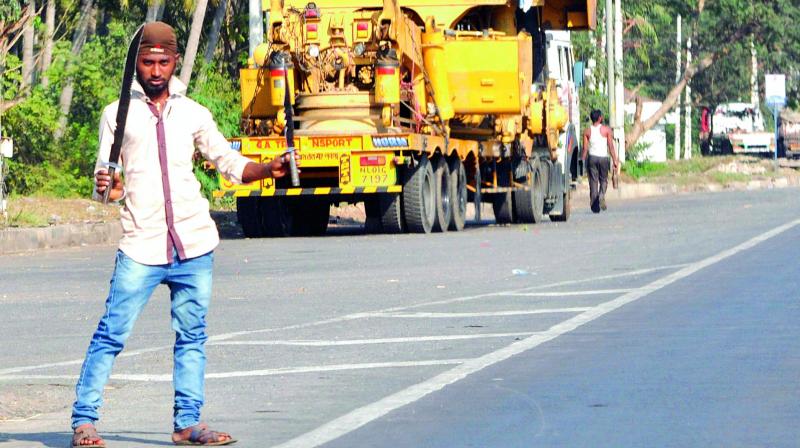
(229, 226)
(61, 439)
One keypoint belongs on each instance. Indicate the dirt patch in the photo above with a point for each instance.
(43, 212)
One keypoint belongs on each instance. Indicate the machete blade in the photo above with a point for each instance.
(122, 110)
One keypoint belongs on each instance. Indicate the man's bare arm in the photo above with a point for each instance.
(585, 150)
(277, 168)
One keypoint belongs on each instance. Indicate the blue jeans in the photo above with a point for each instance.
(132, 283)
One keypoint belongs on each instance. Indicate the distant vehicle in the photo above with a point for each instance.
(738, 128)
(789, 134)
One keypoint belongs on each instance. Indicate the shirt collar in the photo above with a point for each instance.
(176, 88)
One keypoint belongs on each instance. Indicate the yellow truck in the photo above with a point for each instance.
(414, 108)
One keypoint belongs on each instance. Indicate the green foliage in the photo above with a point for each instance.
(32, 124)
(10, 10)
(220, 94)
(46, 179)
(729, 178)
(639, 170)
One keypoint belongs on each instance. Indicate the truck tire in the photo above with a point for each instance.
(529, 204)
(276, 217)
(419, 197)
(444, 207)
(502, 203)
(310, 218)
(563, 216)
(390, 213)
(458, 194)
(248, 214)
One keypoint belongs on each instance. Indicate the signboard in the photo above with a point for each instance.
(775, 90)
(6, 147)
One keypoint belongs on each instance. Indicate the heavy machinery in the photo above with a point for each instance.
(789, 134)
(413, 107)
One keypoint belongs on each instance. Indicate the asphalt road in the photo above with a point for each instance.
(663, 322)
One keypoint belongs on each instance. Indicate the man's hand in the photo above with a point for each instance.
(254, 171)
(280, 166)
(102, 180)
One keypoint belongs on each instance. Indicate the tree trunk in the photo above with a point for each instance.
(47, 51)
(78, 40)
(194, 41)
(213, 36)
(692, 69)
(28, 36)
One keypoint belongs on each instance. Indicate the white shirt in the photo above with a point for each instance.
(163, 204)
(598, 143)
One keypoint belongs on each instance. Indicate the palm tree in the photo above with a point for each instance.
(194, 40)
(27, 45)
(47, 50)
(79, 38)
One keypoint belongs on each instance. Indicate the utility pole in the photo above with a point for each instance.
(677, 150)
(619, 87)
(612, 110)
(256, 25)
(687, 143)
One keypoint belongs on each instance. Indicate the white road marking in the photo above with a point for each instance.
(570, 293)
(412, 339)
(347, 317)
(361, 416)
(483, 314)
(167, 377)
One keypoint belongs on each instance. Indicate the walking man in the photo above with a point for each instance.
(168, 234)
(598, 142)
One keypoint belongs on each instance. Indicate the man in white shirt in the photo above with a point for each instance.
(168, 234)
(598, 144)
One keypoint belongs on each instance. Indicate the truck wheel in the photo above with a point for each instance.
(310, 218)
(390, 213)
(502, 203)
(564, 216)
(249, 217)
(444, 207)
(419, 197)
(276, 218)
(529, 204)
(458, 194)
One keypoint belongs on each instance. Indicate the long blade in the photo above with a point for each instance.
(287, 106)
(124, 104)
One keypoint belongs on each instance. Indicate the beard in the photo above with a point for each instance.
(151, 90)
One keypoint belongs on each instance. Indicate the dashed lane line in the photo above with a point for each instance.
(483, 314)
(167, 377)
(345, 318)
(402, 340)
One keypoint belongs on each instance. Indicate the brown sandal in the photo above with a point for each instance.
(87, 433)
(200, 435)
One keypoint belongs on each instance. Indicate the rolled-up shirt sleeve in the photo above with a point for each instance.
(216, 149)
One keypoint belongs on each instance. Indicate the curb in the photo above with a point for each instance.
(67, 235)
(71, 235)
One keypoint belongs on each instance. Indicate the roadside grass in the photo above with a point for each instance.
(722, 170)
(43, 210)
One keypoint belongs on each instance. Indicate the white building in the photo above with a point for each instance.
(656, 137)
